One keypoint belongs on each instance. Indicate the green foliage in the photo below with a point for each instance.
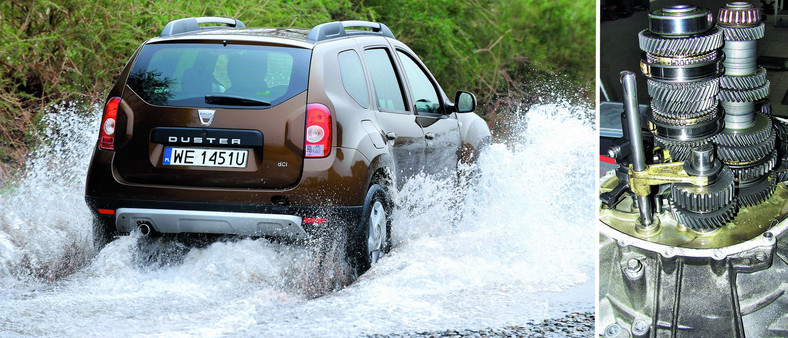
(74, 49)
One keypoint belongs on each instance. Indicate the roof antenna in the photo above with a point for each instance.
(299, 13)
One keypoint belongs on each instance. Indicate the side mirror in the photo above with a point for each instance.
(464, 101)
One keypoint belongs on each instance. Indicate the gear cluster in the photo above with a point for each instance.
(708, 94)
(683, 64)
(747, 143)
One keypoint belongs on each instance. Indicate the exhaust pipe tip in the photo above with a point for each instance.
(145, 229)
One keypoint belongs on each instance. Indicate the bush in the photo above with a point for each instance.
(72, 50)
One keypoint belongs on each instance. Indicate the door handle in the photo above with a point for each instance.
(429, 136)
(391, 136)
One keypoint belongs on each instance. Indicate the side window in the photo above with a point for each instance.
(424, 94)
(353, 77)
(387, 89)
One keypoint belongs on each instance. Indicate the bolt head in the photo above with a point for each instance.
(640, 327)
(634, 265)
(613, 330)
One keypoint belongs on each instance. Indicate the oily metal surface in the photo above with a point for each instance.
(743, 33)
(748, 223)
(754, 80)
(695, 45)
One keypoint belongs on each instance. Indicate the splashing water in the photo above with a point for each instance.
(516, 244)
(44, 223)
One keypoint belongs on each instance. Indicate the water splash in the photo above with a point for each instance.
(44, 224)
(516, 244)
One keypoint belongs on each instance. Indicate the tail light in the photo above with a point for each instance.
(107, 132)
(318, 131)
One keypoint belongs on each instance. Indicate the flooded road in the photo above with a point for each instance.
(517, 244)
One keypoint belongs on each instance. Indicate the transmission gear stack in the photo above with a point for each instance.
(699, 204)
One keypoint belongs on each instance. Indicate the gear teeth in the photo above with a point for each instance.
(685, 106)
(757, 192)
(750, 172)
(743, 33)
(682, 61)
(680, 47)
(748, 95)
(747, 153)
(705, 208)
(707, 198)
(679, 151)
(755, 80)
(682, 92)
(672, 115)
(705, 222)
(680, 120)
(782, 176)
(760, 132)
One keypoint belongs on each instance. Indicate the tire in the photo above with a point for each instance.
(103, 232)
(372, 234)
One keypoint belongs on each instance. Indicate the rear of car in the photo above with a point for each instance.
(212, 133)
(265, 132)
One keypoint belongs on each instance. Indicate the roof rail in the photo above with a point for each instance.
(186, 25)
(336, 29)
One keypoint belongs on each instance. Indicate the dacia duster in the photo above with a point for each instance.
(223, 129)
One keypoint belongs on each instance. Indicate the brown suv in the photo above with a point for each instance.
(272, 132)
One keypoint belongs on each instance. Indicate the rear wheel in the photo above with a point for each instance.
(372, 233)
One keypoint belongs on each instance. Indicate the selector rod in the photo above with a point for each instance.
(636, 139)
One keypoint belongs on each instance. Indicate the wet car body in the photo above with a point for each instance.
(223, 161)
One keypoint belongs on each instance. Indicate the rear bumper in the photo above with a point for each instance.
(221, 218)
(212, 222)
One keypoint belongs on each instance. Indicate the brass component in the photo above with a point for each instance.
(749, 223)
(656, 174)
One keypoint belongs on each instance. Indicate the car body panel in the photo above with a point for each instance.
(370, 145)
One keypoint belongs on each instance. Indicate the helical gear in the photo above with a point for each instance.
(753, 171)
(759, 132)
(747, 95)
(782, 176)
(748, 153)
(675, 92)
(679, 151)
(677, 115)
(757, 192)
(743, 33)
(706, 198)
(680, 47)
(685, 106)
(706, 222)
(755, 80)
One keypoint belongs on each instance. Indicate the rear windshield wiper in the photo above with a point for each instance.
(235, 101)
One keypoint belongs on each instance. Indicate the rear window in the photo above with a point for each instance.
(185, 74)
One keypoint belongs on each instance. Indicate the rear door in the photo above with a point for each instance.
(441, 129)
(397, 120)
(214, 114)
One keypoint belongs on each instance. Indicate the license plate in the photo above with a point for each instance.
(206, 157)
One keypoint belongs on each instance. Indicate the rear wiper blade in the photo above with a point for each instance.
(235, 101)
